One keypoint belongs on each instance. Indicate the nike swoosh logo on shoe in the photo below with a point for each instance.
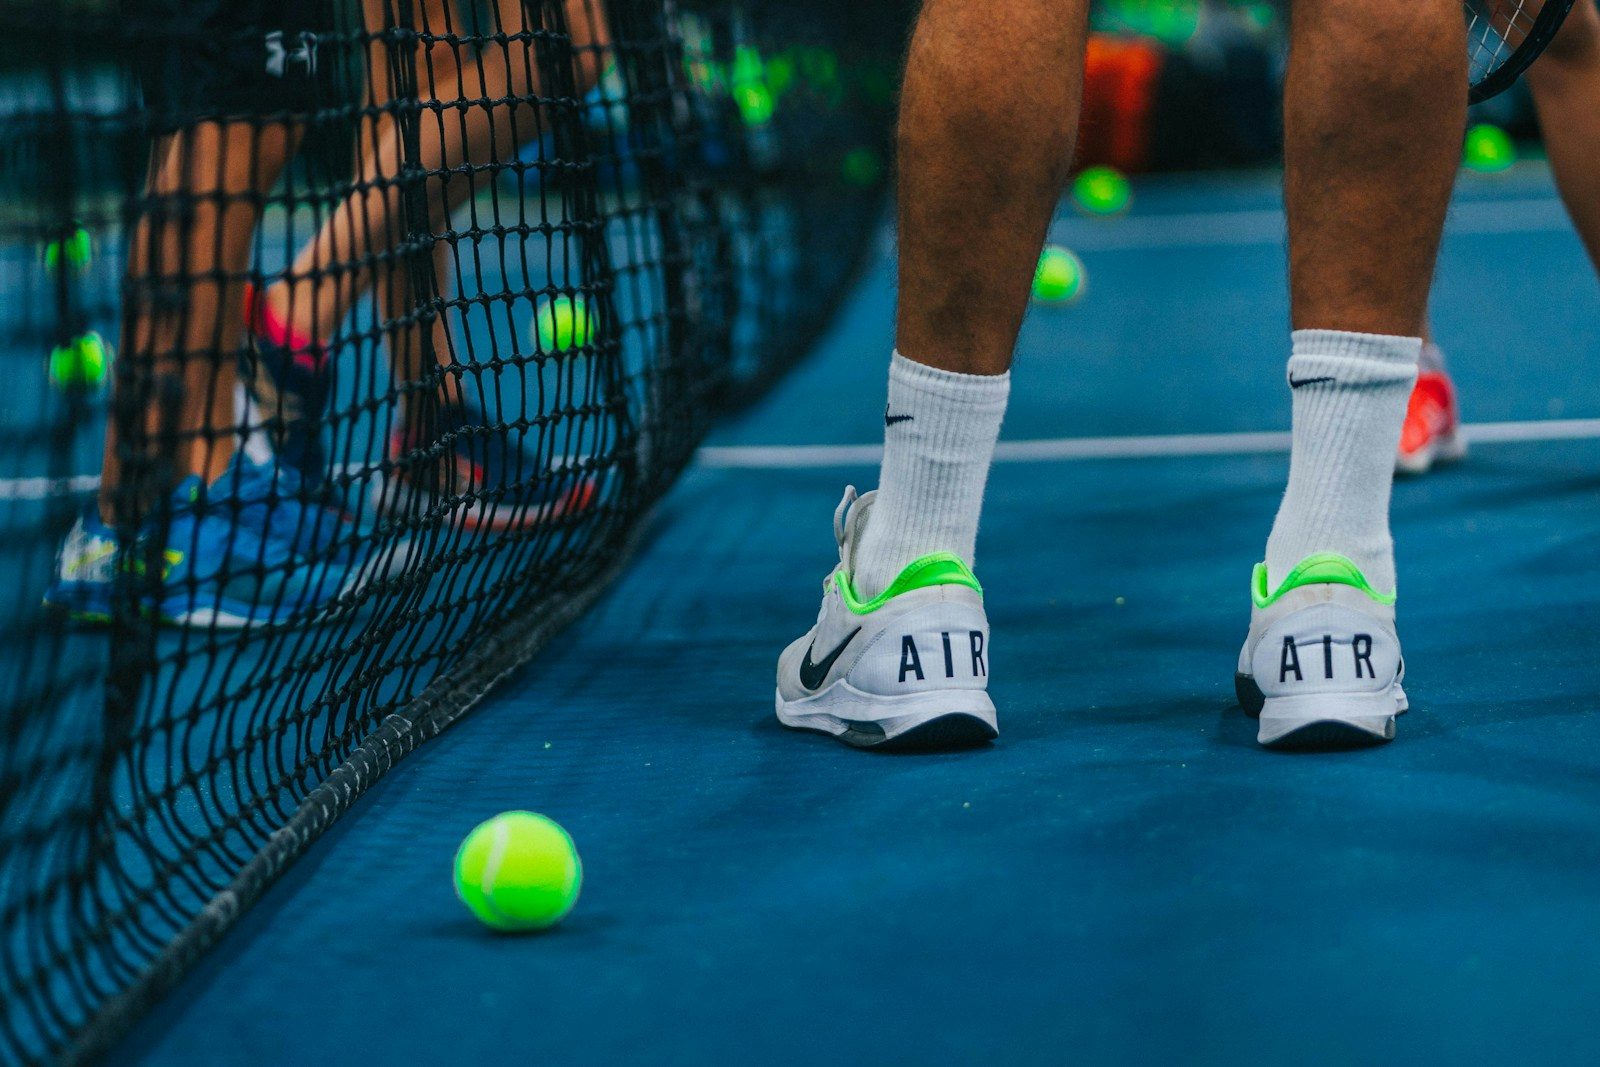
(812, 675)
(890, 420)
(1294, 384)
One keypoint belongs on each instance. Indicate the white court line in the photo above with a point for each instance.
(1229, 228)
(1164, 446)
(1050, 450)
(40, 488)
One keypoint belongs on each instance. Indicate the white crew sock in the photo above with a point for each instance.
(1349, 404)
(939, 434)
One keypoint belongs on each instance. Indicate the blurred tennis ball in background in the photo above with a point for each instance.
(1102, 191)
(76, 250)
(755, 103)
(81, 363)
(753, 93)
(563, 323)
(1488, 149)
(1173, 22)
(748, 65)
(518, 871)
(1060, 277)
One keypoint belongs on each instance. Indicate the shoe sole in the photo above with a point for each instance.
(923, 722)
(1449, 449)
(83, 613)
(1322, 721)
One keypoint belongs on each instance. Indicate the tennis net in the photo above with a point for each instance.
(398, 316)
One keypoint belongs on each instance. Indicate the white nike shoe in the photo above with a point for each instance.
(1322, 664)
(908, 669)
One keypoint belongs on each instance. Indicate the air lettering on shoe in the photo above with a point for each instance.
(909, 660)
(1360, 651)
(1290, 661)
(1361, 645)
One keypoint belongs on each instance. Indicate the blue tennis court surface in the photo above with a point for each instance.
(1124, 876)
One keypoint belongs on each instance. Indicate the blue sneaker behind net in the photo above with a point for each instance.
(229, 561)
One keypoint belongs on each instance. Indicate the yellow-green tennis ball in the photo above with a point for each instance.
(563, 323)
(76, 249)
(755, 102)
(1060, 277)
(1488, 149)
(1102, 191)
(80, 363)
(518, 871)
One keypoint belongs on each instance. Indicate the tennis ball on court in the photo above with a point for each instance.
(76, 250)
(80, 363)
(1060, 277)
(518, 871)
(1102, 191)
(1488, 149)
(563, 323)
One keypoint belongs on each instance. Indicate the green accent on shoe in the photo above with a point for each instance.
(1324, 568)
(940, 568)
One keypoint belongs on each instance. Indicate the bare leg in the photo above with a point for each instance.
(186, 266)
(1566, 90)
(987, 120)
(1374, 105)
(988, 114)
(1566, 93)
(437, 76)
(314, 304)
(1374, 108)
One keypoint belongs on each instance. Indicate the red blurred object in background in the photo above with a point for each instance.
(1119, 91)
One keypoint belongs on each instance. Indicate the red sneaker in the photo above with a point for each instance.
(1432, 431)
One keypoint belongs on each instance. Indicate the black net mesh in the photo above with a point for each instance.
(401, 315)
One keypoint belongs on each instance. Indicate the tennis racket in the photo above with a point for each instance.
(1504, 37)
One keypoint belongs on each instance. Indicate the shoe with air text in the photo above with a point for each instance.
(1321, 666)
(905, 670)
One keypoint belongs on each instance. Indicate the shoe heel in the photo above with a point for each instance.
(1329, 719)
